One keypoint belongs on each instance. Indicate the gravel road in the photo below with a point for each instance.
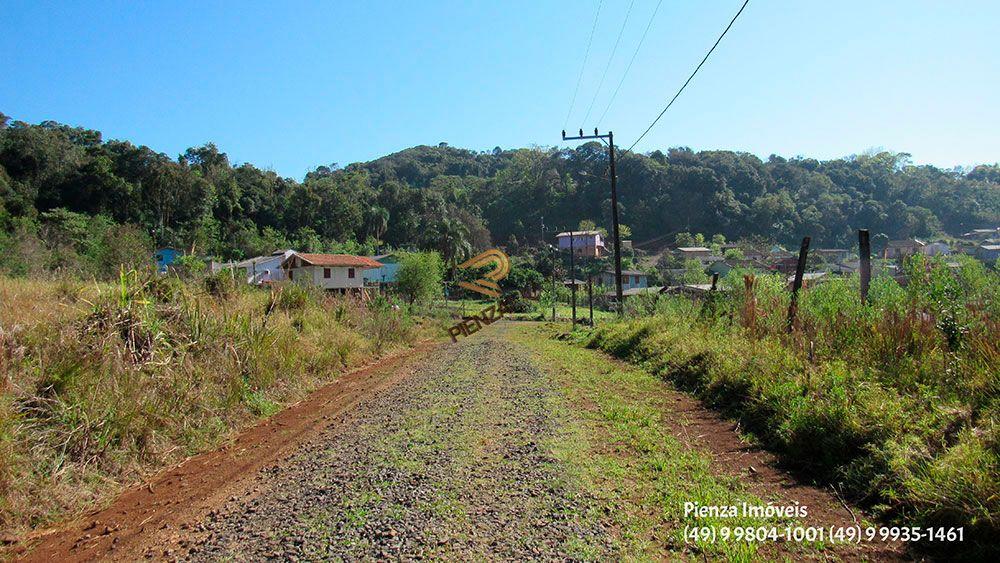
(450, 463)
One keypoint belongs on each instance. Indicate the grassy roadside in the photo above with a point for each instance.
(894, 402)
(621, 449)
(104, 384)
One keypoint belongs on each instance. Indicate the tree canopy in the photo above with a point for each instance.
(459, 201)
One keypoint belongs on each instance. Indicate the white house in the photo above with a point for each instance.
(329, 271)
(264, 269)
(583, 243)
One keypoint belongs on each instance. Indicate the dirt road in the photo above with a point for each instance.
(507, 445)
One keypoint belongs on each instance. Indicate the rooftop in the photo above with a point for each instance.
(339, 260)
(578, 233)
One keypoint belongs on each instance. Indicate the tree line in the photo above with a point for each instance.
(69, 199)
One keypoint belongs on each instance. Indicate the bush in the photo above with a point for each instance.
(117, 383)
(895, 400)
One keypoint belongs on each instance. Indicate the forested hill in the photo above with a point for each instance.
(50, 174)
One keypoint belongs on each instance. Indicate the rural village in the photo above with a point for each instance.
(380, 281)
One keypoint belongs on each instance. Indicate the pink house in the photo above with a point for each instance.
(583, 243)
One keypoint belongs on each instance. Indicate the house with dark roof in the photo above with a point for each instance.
(329, 271)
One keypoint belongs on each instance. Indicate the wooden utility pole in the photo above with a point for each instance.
(552, 256)
(572, 274)
(865, 263)
(614, 205)
(800, 269)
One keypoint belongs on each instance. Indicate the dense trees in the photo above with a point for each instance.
(458, 201)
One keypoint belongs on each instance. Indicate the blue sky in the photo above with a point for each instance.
(292, 85)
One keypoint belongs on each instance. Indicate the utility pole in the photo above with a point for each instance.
(614, 205)
(864, 263)
(572, 274)
(552, 258)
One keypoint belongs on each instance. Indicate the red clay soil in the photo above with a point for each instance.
(189, 490)
(705, 430)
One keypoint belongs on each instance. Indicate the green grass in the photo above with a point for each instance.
(895, 402)
(620, 447)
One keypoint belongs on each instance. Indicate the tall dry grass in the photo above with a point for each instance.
(104, 383)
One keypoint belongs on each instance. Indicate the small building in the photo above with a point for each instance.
(832, 255)
(630, 279)
(899, 249)
(989, 253)
(165, 257)
(697, 252)
(982, 234)
(808, 279)
(329, 271)
(263, 269)
(583, 243)
(387, 273)
(937, 249)
(785, 265)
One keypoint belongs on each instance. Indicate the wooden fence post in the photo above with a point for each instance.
(800, 269)
(865, 256)
(590, 297)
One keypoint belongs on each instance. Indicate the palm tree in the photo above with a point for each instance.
(377, 221)
(451, 237)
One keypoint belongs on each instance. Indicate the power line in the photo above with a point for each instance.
(629, 67)
(610, 59)
(584, 66)
(697, 68)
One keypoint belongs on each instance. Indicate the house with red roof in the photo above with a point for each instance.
(329, 271)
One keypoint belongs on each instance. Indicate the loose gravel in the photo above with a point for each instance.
(451, 463)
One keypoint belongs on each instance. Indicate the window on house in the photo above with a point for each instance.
(326, 273)
(636, 281)
(350, 273)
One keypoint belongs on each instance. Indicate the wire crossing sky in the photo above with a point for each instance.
(301, 84)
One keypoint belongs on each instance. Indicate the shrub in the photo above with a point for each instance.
(895, 400)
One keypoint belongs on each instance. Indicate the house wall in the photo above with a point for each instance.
(587, 245)
(628, 280)
(338, 277)
(165, 257)
(266, 270)
(389, 270)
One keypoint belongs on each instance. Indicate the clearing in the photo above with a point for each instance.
(509, 444)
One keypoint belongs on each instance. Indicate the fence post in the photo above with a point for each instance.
(800, 269)
(865, 259)
(590, 297)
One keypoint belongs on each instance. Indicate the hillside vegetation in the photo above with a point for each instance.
(896, 403)
(103, 384)
(70, 200)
